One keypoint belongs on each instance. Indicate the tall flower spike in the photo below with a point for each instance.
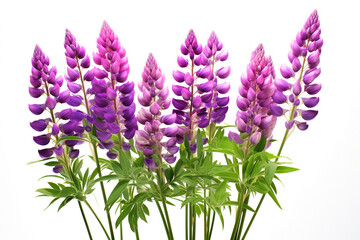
(196, 90)
(77, 61)
(304, 57)
(44, 81)
(213, 53)
(256, 91)
(155, 98)
(113, 104)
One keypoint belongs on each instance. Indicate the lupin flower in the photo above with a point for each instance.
(190, 110)
(212, 53)
(44, 82)
(256, 91)
(113, 105)
(304, 57)
(155, 98)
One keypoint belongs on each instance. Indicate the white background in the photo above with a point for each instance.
(319, 202)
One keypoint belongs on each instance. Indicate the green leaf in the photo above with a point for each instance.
(66, 191)
(66, 201)
(285, 169)
(261, 145)
(117, 168)
(125, 210)
(229, 176)
(71, 138)
(260, 187)
(55, 176)
(48, 192)
(270, 170)
(124, 162)
(169, 174)
(106, 178)
(272, 195)
(116, 193)
(41, 160)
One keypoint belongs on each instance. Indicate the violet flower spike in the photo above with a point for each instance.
(217, 106)
(45, 81)
(194, 91)
(256, 116)
(113, 104)
(155, 137)
(304, 58)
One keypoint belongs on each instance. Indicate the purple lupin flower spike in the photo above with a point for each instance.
(44, 81)
(304, 58)
(212, 53)
(190, 109)
(113, 103)
(256, 91)
(155, 98)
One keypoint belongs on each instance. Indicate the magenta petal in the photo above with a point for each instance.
(302, 126)
(42, 139)
(50, 103)
(223, 72)
(235, 137)
(223, 87)
(57, 168)
(255, 138)
(285, 71)
(309, 114)
(39, 125)
(46, 153)
(150, 163)
(311, 102)
(35, 92)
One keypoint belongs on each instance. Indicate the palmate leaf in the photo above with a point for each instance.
(125, 210)
(273, 197)
(228, 176)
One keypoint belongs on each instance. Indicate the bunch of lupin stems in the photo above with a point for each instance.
(159, 158)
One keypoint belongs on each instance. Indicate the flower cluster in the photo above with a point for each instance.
(255, 117)
(307, 41)
(212, 53)
(155, 96)
(45, 82)
(113, 105)
(190, 110)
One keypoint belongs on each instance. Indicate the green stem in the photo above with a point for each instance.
(102, 185)
(186, 222)
(190, 220)
(121, 231)
(194, 222)
(238, 214)
(97, 218)
(137, 232)
(85, 221)
(212, 225)
(253, 217)
(263, 196)
(242, 219)
(163, 218)
(163, 200)
(205, 222)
